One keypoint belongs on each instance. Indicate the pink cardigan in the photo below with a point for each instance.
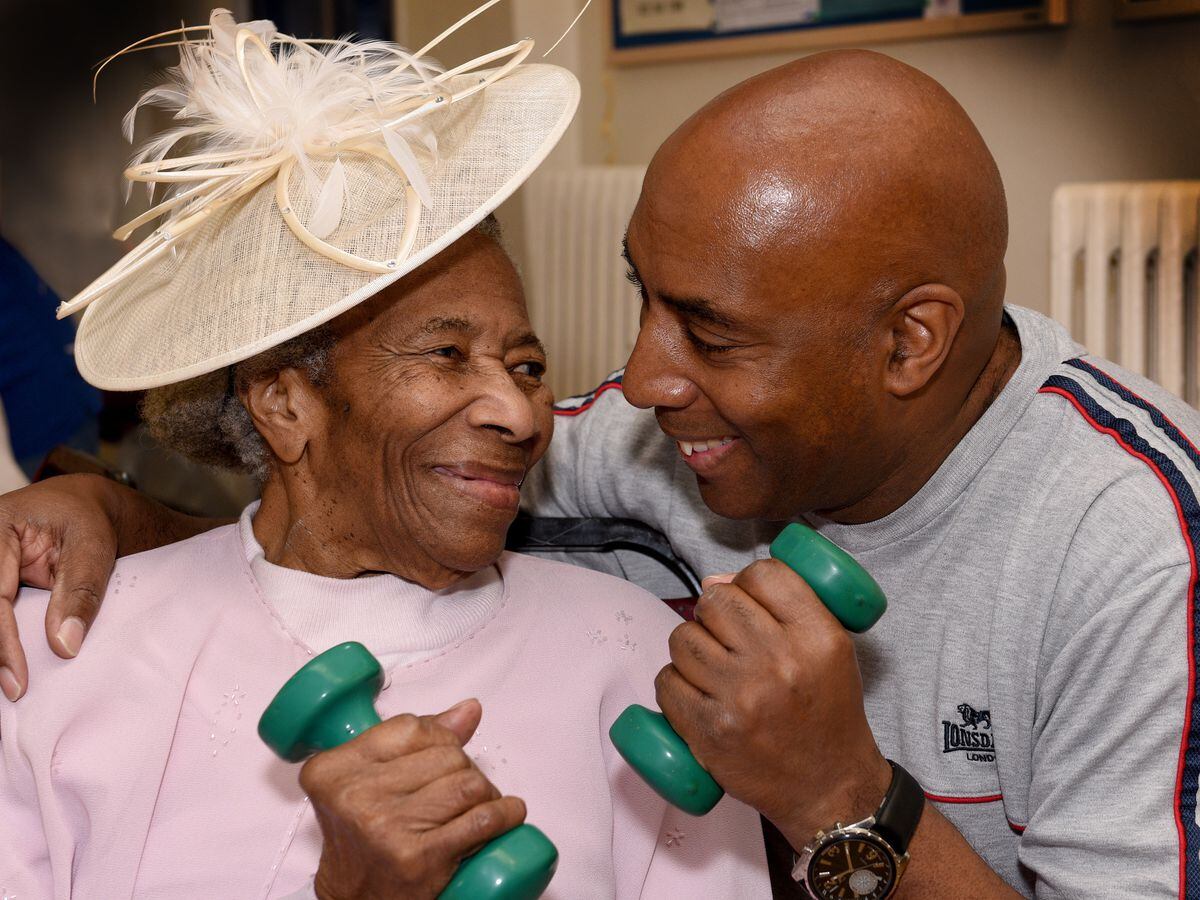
(135, 770)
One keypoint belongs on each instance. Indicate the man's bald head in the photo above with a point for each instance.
(821, 251)
(855, 151)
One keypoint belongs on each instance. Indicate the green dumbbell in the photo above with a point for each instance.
(648, 742)
(331, 700)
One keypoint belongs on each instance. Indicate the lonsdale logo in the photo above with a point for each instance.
(973, 735)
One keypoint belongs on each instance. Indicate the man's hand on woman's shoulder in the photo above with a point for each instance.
(64, 535)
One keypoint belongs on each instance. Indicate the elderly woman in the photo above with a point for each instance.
(391, 421)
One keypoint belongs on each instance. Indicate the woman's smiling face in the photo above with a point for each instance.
(434, 413)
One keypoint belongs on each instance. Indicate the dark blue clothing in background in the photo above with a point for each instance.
(46, 402)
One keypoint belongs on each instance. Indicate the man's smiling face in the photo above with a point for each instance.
(745, 352)
(820, 256)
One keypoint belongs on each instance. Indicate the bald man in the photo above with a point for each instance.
(824, 336)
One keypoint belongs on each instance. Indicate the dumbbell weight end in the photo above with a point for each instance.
(646, 739)
(332, 700)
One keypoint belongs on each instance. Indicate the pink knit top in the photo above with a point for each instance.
(135, 770)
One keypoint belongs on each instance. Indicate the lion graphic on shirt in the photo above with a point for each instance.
(973, 717)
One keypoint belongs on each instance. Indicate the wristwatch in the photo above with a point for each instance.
(865, 861)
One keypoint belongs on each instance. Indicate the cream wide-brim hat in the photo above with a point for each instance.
(244, 282)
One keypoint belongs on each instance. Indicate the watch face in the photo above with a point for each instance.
(852, 867)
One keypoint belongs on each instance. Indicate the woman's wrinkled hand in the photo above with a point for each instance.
(401, 805)
(57, 535)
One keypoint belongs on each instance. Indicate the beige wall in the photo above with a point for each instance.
(420, 21)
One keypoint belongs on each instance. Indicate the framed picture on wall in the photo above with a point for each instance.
(645, 31)
(1155, 9)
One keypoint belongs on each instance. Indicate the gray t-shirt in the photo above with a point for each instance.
(1034, 668)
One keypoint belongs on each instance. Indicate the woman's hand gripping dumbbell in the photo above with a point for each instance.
(428, 803)
(648, 742)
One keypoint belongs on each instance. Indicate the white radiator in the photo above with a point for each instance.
(1123, 271)
(582, 307)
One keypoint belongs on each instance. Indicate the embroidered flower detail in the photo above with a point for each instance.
(225, 720)
(486, 756)
(596, 636)
(627, 643)
(674, 837)
(624, 618)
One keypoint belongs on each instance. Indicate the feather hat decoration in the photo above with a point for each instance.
(298, 178)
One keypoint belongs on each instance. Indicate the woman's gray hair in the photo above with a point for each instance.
(204, 419)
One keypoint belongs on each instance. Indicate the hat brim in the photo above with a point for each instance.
(243, 282)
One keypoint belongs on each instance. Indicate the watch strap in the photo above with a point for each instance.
(899, 814)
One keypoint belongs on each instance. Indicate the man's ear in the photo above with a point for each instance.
(287, 411)
(924, 323)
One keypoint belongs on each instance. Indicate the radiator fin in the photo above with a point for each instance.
(581, 305)
(1123, 276)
